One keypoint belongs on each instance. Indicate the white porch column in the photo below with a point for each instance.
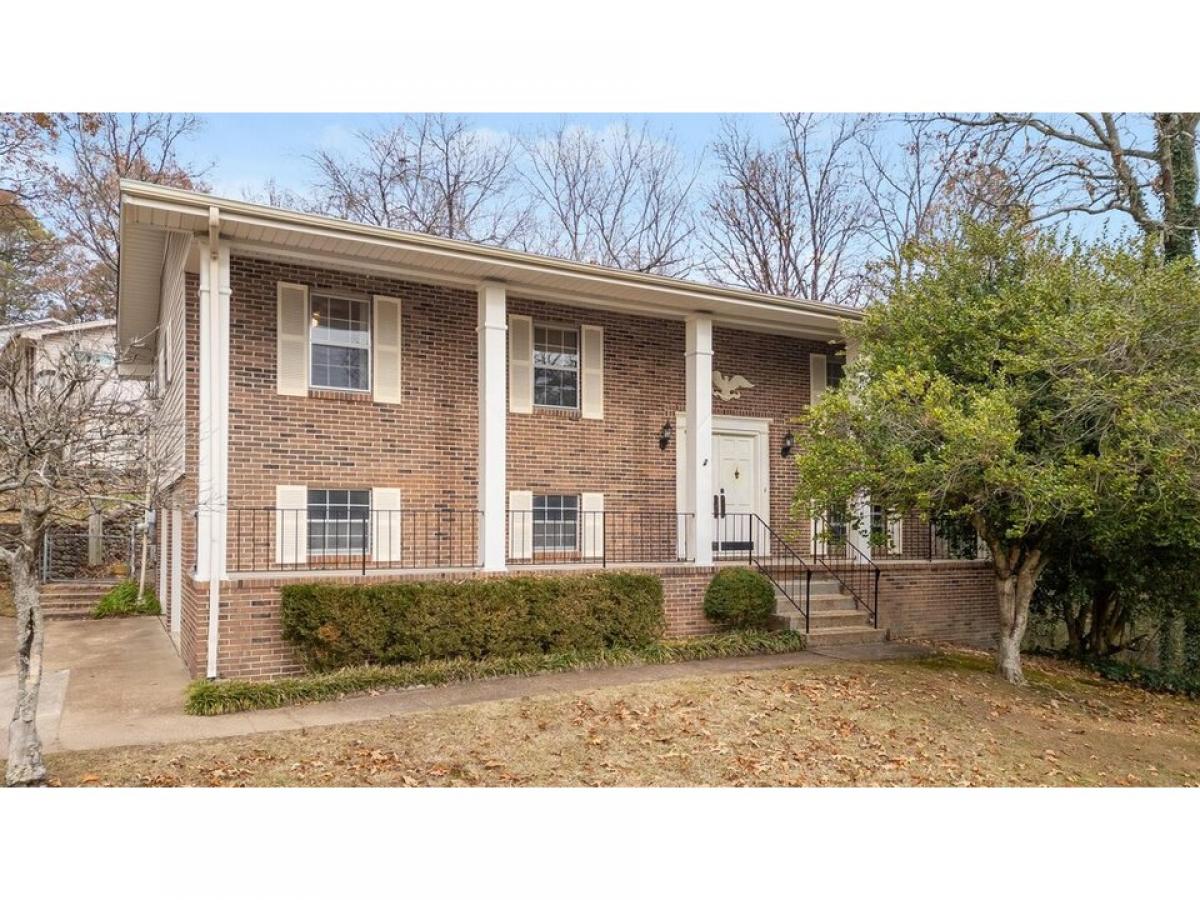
(698, 489)
(493, 413)
(860, 510)
(212, 442)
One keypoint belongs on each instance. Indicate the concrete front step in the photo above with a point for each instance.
(838, 618)
(855, 634)
(817, 603)
(73, 599)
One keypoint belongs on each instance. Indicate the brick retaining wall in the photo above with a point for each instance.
(936, 601)
(951, 600)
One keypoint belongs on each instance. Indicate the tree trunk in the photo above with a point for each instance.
(1017, 571)
(25, 764)
(1175, 136)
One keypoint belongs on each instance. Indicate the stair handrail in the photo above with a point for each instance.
(792, 559)
(854, 555)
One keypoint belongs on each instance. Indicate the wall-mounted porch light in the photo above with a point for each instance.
(664, 435)
(789, 444)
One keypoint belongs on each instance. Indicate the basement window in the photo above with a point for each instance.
(338, 522)
(555, 522)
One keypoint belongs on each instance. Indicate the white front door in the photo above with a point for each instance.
(735, 486)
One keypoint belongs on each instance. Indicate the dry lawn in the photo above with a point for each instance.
(941, 721)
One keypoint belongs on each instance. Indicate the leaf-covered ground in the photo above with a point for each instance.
(941, 721)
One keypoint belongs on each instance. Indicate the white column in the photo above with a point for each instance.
(860, 510)
(860, 536)
(212, 444)
(493, 420)
(698, 487)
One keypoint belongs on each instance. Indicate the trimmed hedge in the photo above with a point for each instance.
(739, 598)
(122, 600)
(337, 625)
(213, 698)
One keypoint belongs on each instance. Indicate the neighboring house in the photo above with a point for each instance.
(79, 543)
(45, 340)
(365, 404)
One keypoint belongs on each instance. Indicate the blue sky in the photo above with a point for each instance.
(246, 149)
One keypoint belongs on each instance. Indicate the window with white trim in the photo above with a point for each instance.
(338, 522)
(555, 367)
(555, 522)
(339, 343)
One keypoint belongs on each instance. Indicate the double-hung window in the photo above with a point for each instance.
(340, 343)
(338, 522)
(555, 367)
(555, 523)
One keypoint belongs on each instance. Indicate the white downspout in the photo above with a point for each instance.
(215, 371)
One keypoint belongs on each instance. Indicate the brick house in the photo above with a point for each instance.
(359, 403)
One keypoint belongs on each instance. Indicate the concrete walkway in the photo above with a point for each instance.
(119, 682)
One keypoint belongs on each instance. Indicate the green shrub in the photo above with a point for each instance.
(1154, 680)
(214, 698)
(335, 625)
(739, 598)
(122, 601)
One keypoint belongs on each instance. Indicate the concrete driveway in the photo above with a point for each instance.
(102, 679)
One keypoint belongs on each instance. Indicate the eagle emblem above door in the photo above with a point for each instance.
(729, 387)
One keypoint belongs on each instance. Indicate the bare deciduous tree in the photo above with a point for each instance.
(25, 143)
(619, 198)
(1143, 166)
(68, 434)
(923, 177)
(789, 219)
(84, 204)
(433, 174)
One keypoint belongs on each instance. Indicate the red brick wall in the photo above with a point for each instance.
(949, 601)
(552, 451)
(427, 445)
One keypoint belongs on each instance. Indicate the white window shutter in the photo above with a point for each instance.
(591, 508)
(291, 344)
(520, 364)
(385, 379)
(817, 377)
(591, 398)
(387, 525)
(291, 523)
(520, 525)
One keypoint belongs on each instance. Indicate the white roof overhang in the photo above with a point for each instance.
(149, 212)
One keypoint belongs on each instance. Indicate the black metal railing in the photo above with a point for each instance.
(835, 554)
(748, 536)
(604, 538)
(921, 539)
(267, 539)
